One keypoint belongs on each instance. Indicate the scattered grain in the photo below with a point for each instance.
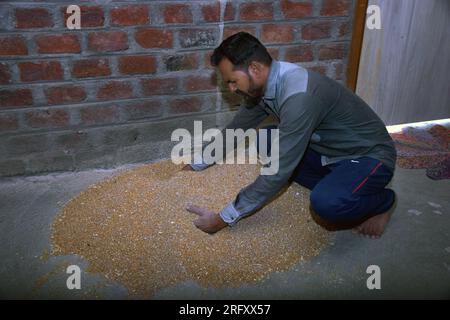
(134, 229)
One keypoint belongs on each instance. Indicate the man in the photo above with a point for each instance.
(330, 141)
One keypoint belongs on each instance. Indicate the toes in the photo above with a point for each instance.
(359, 229)
(367, 231)
(364, 233)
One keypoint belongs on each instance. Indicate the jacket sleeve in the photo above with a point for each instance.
(300, 114)
(245, 118)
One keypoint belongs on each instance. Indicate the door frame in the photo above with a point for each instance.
(359, 23)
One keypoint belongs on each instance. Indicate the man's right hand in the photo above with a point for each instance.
(187, 168)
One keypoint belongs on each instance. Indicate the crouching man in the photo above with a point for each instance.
(330, 141)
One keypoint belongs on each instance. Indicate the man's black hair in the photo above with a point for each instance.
(241, 49)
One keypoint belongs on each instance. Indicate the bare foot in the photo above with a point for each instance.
(374, 227)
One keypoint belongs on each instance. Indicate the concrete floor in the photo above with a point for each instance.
(413, 255)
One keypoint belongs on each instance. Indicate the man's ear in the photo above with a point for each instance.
(255, 68)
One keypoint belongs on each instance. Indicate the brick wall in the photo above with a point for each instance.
(112, 92)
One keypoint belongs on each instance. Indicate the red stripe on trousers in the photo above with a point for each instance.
(367, 178)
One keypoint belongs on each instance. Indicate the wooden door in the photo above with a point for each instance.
(404, 68)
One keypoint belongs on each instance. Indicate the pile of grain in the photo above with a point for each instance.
(424, 148)
(134, 229)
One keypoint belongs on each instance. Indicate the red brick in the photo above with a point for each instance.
(99, 115)
(318, 69)
(47, 118)
(154, 38)
(314, 31)
(8, 122)
(159, 86)
(131, 15)
(33, 18)
(274, 53)
(90, 16)
(137, 64)
(61, 43)
(143, 110)
(180, 62)
(40, 71)
(336, 8)
(178, 13)
(345, 29)
(299, 54)
(293, 9)
(256, 11)
(229, 31)
(65, 94)
(273, 33)
(13, 46)
(211, 13)
(91, 68)
(5, 74)
(115, 90)
(332, 51)
(107, 41)
(200, 83)
(15, 98)
(185, 105)
(229, 11)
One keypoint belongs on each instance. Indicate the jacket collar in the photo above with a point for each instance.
(272, 80)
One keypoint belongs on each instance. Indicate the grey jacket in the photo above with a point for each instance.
(314, 111)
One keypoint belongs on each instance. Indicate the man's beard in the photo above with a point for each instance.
(254, 94)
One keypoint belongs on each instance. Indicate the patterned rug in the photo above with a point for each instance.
(424, 148)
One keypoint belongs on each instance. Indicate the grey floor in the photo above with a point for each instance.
(413, 255)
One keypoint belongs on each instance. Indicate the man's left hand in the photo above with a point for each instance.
(208, 221)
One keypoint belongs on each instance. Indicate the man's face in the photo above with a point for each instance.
(239, 81)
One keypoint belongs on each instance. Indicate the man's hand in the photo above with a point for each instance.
(208, 221)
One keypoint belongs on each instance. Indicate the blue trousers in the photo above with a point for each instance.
(345, 191)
